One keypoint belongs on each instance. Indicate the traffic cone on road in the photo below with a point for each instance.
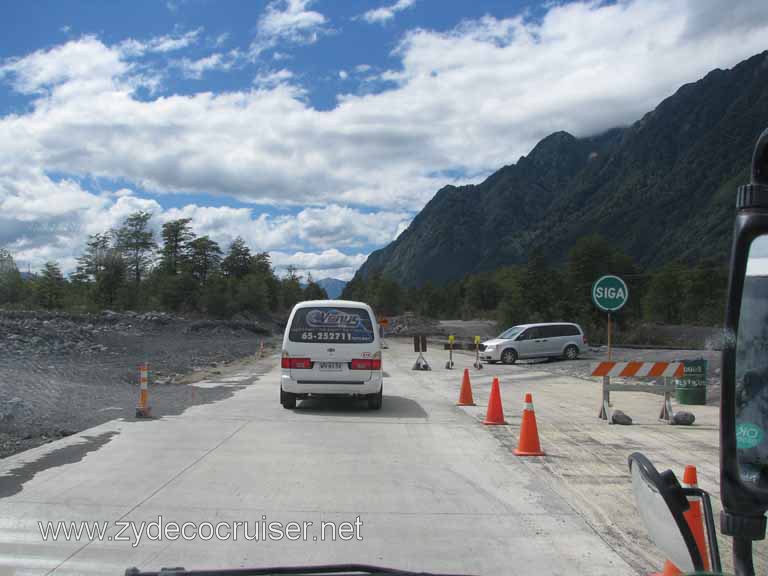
(495, 414)
(143, 409)
(465, 396)
(529, 432)
(694, 515)
(669, 570)
(695, 519)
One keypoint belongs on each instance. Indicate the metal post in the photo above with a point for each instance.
(609, 336)
(605, 408)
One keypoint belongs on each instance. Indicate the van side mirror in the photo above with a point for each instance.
(744, 400)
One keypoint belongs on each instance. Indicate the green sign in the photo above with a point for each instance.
(748, 435)
(694, 374)
(610, 293)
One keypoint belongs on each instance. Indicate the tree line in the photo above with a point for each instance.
(129, 268)
(537, 291)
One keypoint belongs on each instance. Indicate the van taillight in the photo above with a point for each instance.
(296, 363)
(365, 364)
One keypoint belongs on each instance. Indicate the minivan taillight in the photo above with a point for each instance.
(296, 363)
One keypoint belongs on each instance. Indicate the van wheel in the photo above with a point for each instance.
(509, 356)
(287, 399)
(375, 400)
(571, 352)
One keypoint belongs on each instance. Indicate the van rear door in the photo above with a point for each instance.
(340, 344)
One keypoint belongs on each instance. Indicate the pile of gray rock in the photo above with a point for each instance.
(412, 325)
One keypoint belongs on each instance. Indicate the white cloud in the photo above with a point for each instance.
(82, 64)
(343, 74)
(273, 78)
(465, 101)
(288, 21)
(160, 44)
(221, 39)
(386, 13)
(327, 264)
(362, 68)
(341, 226)
(195, 69)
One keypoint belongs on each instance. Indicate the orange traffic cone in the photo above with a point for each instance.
(529, 432)
(695, 520)
(495, 414)
(694, 515)
(669, 570)
(465, 396)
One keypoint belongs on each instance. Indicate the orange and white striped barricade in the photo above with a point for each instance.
(660, 371)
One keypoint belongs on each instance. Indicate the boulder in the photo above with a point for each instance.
(619, 417)
(683, 418)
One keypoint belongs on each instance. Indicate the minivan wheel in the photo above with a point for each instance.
(571, 352)
(287, 399)
(509, 356)
(375, 400)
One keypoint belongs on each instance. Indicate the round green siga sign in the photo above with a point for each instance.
(610, 293)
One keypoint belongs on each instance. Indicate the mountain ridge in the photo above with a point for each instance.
(660, 189)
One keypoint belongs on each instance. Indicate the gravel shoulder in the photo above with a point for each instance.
(61, 373)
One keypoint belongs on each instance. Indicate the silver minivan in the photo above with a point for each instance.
(554, 339)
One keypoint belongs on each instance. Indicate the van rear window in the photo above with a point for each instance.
(331, 324)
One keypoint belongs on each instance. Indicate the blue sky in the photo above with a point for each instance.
(314, 129)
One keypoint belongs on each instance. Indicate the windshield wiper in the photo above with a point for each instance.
(328, 570)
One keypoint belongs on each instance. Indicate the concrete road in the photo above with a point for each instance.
(433, 488)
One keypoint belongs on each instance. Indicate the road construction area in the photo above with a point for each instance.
(421, 484)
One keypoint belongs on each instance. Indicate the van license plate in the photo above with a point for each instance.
(331, 366)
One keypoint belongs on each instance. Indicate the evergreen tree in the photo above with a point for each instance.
(110, 278)
(91, 262)
(11, 285)
(177, 237)
(204, 258)
(664, 298)
(136, 243)
(290, 287)
(50, 286)
(237, 263)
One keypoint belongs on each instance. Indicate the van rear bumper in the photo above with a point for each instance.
(321, 387)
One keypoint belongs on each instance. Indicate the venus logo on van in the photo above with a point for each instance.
(332, 318)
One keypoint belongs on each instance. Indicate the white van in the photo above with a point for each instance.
(331, 348)
(554, 339)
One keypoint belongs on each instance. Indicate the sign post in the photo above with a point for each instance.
(478, 365)
(609, 294)
(420, 346)
(451, 340)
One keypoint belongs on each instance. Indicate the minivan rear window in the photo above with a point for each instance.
(325, 324)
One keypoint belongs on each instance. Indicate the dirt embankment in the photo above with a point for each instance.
(61, 373)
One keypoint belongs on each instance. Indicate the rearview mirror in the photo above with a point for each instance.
(661, 502)
(744, 399)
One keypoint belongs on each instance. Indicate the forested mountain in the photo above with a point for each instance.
(661, 190)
